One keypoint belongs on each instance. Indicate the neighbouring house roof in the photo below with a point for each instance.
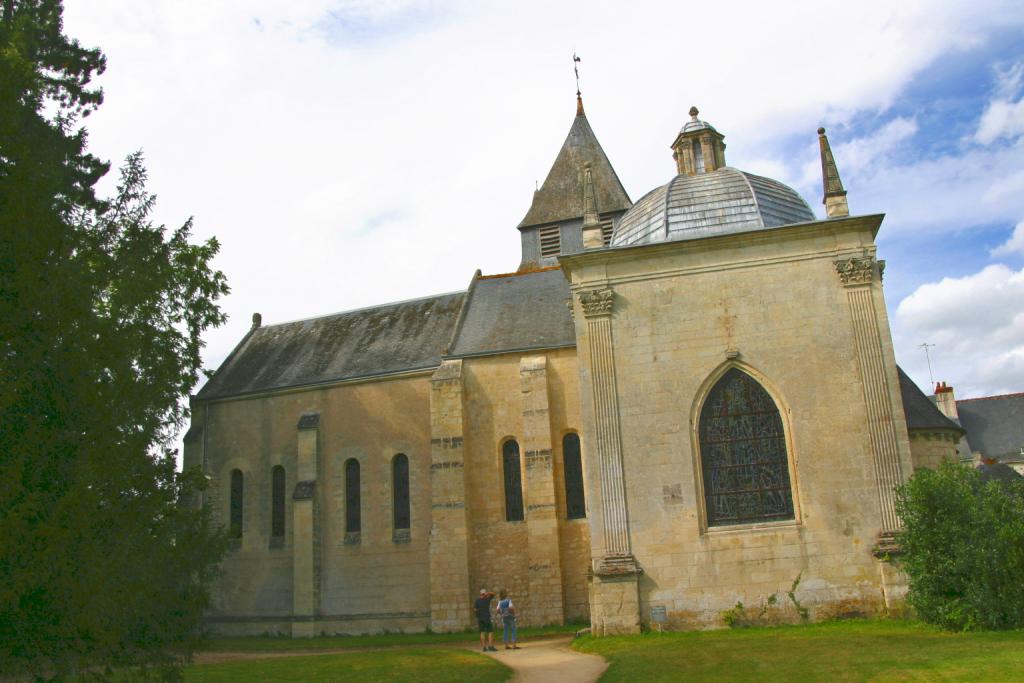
(994, 424)
(920, 411)
(396, 337)
(515, 312)
(997, 471)
(561, 196)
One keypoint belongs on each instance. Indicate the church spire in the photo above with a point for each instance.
(835, 196)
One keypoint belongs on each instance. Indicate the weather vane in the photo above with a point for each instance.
(576, 68)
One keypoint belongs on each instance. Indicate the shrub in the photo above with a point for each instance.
(963, 543)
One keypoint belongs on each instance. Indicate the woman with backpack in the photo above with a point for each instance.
(507, 611)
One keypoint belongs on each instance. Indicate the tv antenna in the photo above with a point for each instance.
(927, 356)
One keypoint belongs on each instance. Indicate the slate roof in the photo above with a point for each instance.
(721, 202)
(994, 424)
(517, 311)
(561, 195)
(408, 335)
(998, 472)
(921, 412)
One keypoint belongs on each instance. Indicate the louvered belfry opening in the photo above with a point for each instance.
(744, 461)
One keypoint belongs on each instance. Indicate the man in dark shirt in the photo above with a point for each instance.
(482, 605)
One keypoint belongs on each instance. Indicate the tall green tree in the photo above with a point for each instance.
(101, 312)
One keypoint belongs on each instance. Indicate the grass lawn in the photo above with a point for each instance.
(413, 664)
(856, 650)
(286, 644)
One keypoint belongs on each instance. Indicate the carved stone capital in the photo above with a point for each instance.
(856, 271)
(597, 302)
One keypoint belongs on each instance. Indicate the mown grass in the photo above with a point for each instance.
(856, 650)
(413, 664)
(286, 644)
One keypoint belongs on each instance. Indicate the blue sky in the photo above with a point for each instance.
(351, 153)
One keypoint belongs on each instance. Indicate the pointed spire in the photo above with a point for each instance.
(579, 105)
(593, 236)
(835, 196)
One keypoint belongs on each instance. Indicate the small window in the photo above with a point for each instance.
(353, 521)
(698, 157)
(550, 241)
(237, 490)
(513, 481)
(400, 477)
(606, 232)
(277, 502)
(575, 503)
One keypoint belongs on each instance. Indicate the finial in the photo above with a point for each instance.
(835, 196)
(593, 237)
(693, 112)
(575, 67)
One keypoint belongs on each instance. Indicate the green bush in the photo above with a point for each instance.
(963, 543)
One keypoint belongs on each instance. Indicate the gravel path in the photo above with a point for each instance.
(550, 661)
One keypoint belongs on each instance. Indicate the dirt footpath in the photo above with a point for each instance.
(550, 661)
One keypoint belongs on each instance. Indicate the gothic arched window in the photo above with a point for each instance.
(353, 516)
(237, 491)
(400, 480)
(743, 454)
(513, 481)
(575, 503)
(277, 502)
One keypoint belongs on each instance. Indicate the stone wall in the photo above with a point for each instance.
(380, 581)
(929, 447)
(773, 305)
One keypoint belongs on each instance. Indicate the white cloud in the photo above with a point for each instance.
(1014, 245)
(977, 326)
(1004, 115)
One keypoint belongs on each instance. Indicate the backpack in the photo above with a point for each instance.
(505, 607)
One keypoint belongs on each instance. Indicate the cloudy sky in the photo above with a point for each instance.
(350, 153)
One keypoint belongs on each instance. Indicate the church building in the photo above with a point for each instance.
(671, 406)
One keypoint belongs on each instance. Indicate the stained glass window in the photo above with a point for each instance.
(513, 481)
(400, 477)
(353, 521)
(743, 454)
(277, 502)
(237, 490)
(575, 504)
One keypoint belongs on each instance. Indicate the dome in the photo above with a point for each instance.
(721, 202)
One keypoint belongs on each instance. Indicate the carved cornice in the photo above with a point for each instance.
(597, 302)
(856, 271)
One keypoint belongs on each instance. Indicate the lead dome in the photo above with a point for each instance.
(708, 198)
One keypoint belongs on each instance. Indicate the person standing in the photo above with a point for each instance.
(482, 605)
(507, 611)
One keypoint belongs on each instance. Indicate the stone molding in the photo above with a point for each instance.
(858, 270)
(597, 302)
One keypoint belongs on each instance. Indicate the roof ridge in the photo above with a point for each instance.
(364, 308)
(1019, 394)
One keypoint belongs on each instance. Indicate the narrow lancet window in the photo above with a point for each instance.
(575, 503)
(513, 481)
(743, 454)
(353, 517)
(237, 491)
(400, 478)
(277, 502)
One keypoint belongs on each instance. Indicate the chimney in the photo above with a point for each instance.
(945, 401)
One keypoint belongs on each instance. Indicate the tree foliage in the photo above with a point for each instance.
(963, 541)
(101, 314)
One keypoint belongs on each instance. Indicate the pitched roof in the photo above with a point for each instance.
(561, 195)
(515, 312)
(397, 337)
(994, 424)
(921, 413)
